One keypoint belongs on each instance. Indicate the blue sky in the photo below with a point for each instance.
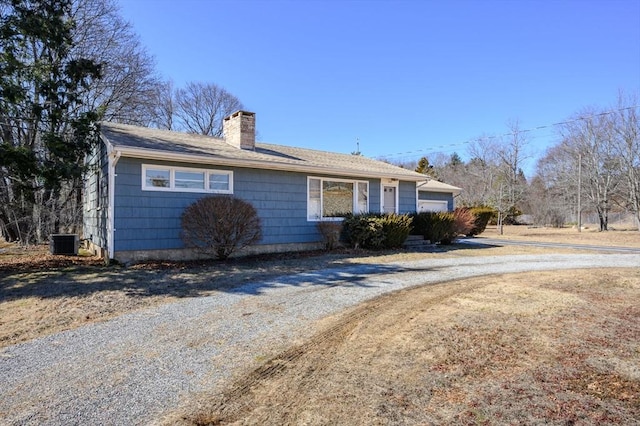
(404, 78)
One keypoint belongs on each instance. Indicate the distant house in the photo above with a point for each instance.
(142, 179)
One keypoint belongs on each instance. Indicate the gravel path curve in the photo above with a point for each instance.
(137, 367)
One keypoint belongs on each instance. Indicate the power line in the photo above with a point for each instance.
(490, 137)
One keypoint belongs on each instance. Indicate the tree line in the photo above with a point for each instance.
(66, 65)
(593, 168)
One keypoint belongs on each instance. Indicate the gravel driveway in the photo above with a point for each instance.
(135, 368)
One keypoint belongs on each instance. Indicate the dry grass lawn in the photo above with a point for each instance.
(623, 236)
(558, 348)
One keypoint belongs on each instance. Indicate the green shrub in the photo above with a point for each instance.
(437, 227)
(376, 231)
(362, 231)
(396, 228)
(482, 215)
(444, 229)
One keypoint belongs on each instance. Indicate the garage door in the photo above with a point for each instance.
(432, 206)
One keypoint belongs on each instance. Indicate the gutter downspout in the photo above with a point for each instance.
(418, 186)
(113, 158)
(426, 181)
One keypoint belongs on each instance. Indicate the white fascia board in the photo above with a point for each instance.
(149, 154)
(453, 190)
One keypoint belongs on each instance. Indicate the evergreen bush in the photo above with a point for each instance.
(437, 227)
(483, 215)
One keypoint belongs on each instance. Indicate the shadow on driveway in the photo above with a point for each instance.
(252, 275)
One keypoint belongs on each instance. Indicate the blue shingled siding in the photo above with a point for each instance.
(406, 197)
(148, 220)
(96, 200)
(281, 201)
(437, 196)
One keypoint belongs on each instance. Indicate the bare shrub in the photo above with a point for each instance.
(463, 221)
(330, 232)
(220, 225)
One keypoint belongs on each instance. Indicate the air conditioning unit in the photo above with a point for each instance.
(64, 244)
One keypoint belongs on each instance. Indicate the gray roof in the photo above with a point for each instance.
(437, 186)
(146, 143)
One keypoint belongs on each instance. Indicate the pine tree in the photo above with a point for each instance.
(45, 131)
(425, 168)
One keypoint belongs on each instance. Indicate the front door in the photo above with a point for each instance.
(389, 201)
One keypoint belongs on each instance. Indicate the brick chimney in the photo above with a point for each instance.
(239, 130)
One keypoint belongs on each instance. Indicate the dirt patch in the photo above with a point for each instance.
(555, 347)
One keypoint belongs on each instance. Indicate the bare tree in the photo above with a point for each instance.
(553, 192)
(125, 93)
(201, 108)
(511, 185)
(482, 172)
(493, 177)
(625, 129)
(589, 138)
(472, 177)
(164, 109)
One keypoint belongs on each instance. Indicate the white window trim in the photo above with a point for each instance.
(172, 179)
(354, 201)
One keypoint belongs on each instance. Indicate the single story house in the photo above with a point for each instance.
(141, 180)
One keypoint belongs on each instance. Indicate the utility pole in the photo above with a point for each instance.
(579, 192)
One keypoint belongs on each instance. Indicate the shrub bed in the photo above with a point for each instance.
(376, 231)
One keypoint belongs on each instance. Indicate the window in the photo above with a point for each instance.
(363, 197)
(219, 181)
(189, 180)
(330, 199)
(337, 198)
(159, 178)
